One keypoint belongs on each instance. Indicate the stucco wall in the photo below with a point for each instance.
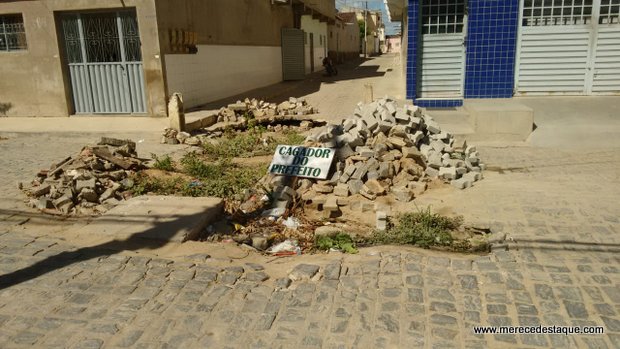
(33, 81)
(319, 29)
(220, 71)
(224, 22)
(344, 41)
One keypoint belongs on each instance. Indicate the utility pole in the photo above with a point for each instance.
(366, 31)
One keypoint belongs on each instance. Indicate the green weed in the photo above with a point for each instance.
(163, 163)
(422, 228)
(340, 241)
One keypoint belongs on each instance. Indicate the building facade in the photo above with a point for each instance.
(457, 49)
(344, 38)
(66, 57)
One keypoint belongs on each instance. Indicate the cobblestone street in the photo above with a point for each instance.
(557, 205)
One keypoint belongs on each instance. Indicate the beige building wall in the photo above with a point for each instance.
(35, 83)
(238, 46)
(344, 41)
(318, 30)
(220, 71)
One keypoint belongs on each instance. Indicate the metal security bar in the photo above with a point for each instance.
(12, 33)
(610, 12)
(105, 62)
(543, 13)
(443, 16)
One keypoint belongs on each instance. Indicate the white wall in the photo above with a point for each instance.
(220, 71)
(319, 29)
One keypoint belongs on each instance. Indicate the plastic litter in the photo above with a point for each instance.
(287, 247)
(291, 223)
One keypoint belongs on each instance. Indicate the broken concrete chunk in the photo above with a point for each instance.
(331, 204)
(355, 186)
(341, 190)
(402, 194)
(89, 195)
(381, 220)
(447, 173)
(323, 188)
(461, 183)
(374, 186)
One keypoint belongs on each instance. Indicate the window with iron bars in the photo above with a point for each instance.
(610, 12)
(443, 16)
(543, 13)
(12, 33)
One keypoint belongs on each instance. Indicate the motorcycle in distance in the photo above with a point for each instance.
(330, 69)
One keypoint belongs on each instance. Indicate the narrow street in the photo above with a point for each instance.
(557, 205)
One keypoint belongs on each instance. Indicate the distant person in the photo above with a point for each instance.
(329, 67)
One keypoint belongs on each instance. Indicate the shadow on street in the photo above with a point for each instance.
(280, 92)
(64, 259)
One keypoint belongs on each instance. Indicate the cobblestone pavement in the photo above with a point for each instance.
(563, 268)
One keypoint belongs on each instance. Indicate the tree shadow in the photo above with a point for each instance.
(136, 241)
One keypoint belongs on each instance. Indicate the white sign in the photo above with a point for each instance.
(292, 160)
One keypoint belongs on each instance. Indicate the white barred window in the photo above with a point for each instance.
(12, 33)
(542, 13)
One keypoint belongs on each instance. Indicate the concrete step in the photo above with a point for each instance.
(455, 121)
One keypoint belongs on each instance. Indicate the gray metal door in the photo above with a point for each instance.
(293, 54)
(105, 62)
(570, 48)
(443, 49)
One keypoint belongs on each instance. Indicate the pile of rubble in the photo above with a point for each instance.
(242, 110)
(91, 182)
(384, 150)
(172, 136)
(242, 114)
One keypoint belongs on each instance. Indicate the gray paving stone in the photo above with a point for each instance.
(391, 292)
(576, 310)
(388, 322)
(611, 324)
(440, 319)
(303, 272)
(537, 340)
(526, 309)
(443, 307)
(257, 276)
(27, 338)
(332, 271)
(444, 333)
(469, 282)
(497, 309)
(89, 344)
(415, 295)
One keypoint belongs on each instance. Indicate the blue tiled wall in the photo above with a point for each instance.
(412, 46)
(491, 48)
(439, 103)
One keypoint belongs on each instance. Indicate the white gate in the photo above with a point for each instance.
(104, 57)
(569, 47)
(293, 54)
(606, 75)
(442, 49)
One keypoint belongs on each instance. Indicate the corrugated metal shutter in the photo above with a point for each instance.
(553, 60)
(293, 54)
(443, 58)
(607, 62)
